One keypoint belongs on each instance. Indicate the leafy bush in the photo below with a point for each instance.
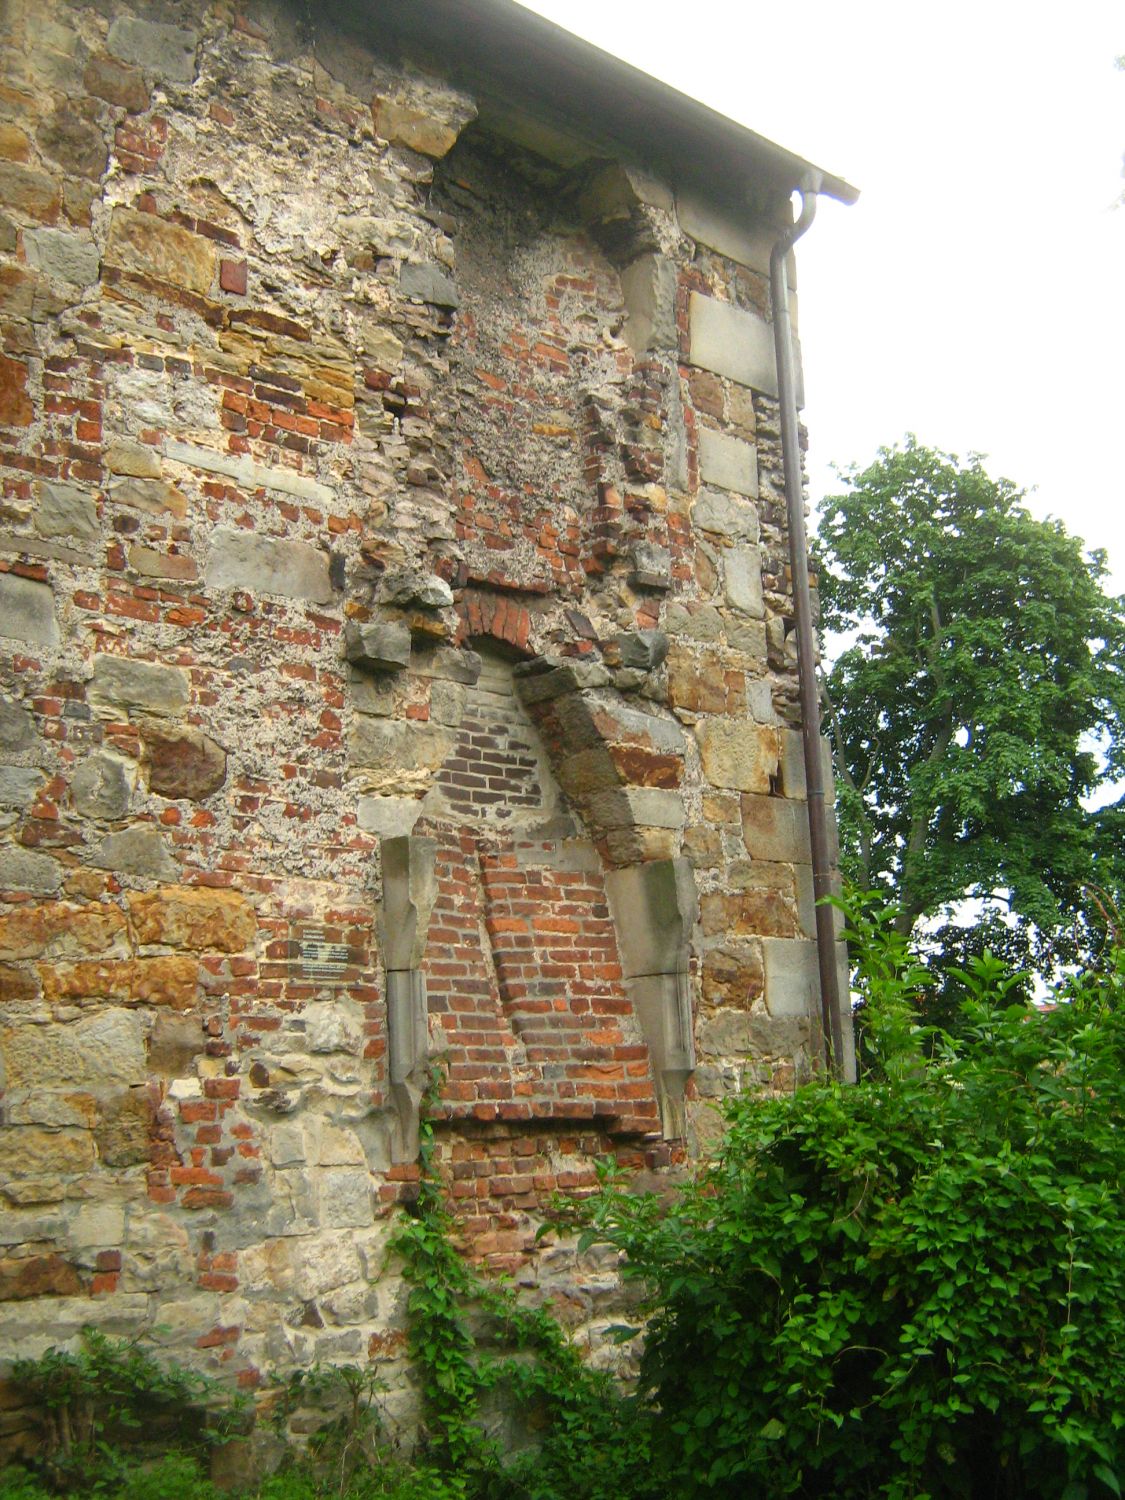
(914, 1287)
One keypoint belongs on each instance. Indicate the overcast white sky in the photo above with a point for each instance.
(976, 293)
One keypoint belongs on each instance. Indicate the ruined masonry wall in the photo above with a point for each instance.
(395, 663)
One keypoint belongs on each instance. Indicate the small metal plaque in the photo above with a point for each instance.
(317, 957)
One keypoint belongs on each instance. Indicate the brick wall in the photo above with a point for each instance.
(365, 474)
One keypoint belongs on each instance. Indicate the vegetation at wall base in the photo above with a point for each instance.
(912, 1289)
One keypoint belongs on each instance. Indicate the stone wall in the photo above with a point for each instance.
(397, 664)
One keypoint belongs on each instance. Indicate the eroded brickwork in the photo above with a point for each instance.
(369, 475)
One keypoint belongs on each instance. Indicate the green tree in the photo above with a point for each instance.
(978, 705)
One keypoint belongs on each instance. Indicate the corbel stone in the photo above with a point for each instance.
(409, 892)
(655, 906)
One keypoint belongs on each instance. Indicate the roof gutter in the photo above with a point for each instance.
(831, 1024)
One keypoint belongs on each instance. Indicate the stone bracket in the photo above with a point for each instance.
(409, 892)
(655, 907)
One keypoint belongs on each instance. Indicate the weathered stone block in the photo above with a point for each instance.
(151, 562)
(409, 893)
(649, 289)
(430, 131)
(628, 807)
(97, 1051)
(742, 580)
(654, 909)
(121, 682)
(37, 1276)
(390, 817)
(124, 1129)
(331, 1027)
(66, 510)
(775, 828)
(27, 610)
(752, 913)
(732, 235)
(24, 870)
(791, 778)
(197, 918)
(417, 590)
(136, 460)
(727, 515)
(136, 851)
(643, 650)
(345, 1197)
(166, 51)
(59, 253)
(703, 683)
(139, 981)
(19, 785)
(397, 757)
(108, 79)
(292, 570)
(152, 496)
(430, 284)
(183, 762)
(247, 472)
(147, 244)
(28, 1151)
(728, 462)
(377, 645)
(174, 1044)
(28, 191)
(102, 786)
(793, 976)
(733, 975)
(59, 928)
(738, 753)
(652, 566)
(733, 343)
(17, 728)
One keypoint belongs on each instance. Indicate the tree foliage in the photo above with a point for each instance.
(910, 1288)
(980, 700)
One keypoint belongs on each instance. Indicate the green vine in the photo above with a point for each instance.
(469, 1336)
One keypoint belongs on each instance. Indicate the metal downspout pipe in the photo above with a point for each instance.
(831, 1024)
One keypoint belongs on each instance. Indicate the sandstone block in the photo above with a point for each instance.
(139, 981)
(733, 343)
(28, 191)
(430, 284)
(66, 510)
(738, 753)
(123, 1132)
(97, 1225)
(397, 757)
(733, 975)
(644, 650)
(16, 409)
(59, 929)
(24, 870)
(137, 686)
(183, 762)
(391, 817)
(17, 986)
(152, 496)
(792, 767)
(174, 1044)
(27, 610)
(19, 785)
(150, 562)
(628, 807)
(96, 1052)
(166, 51)
(63, 255)
(752, 913)
(742, 580)
(136, 851)
(17, 728)
(703, 683)
(29, 1151)
(419, 129)
(731, 235)
(248, 473)
(108, 79)
(737, 1034)
(649, 288)
(76, 144)
(728, 463)
(727, 515)
(652, 566)
(147, 244)
(345, 1197)
(418, 590)
(37, 1276)
(293, 570)
(197, 918)
(775, 828)
(135, 459)
(102, 787)
(793, 976)
(377, 645)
